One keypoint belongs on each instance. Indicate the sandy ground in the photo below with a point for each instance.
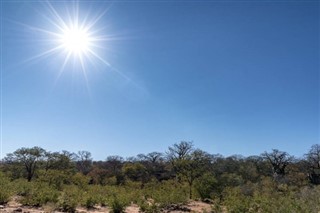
(15, 207)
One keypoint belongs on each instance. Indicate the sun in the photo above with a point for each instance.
(75, 40)
(77, 37)
(73, 36)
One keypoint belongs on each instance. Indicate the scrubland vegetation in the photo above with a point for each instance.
(270, 182)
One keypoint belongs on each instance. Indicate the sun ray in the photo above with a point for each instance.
(63, 65)
(108, 64)
(45, 53)
(84, 74)
(91, 24)
(98, 57)
(33, 28)
(56, 14)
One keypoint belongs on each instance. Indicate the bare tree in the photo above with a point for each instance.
(84, 162)
(155, 164)
(114, 164)
(313, 160)
(152, 157)
(180, 151)
(313, 156)
(279, 160)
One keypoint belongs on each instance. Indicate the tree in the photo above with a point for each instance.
(136, 172)
(279, 160)
(192, 166)
(84, 162)
(155, 164)
(179, 151)
(114, 164)
(313, 160)
(59, 161)
(152, 157)
(98, 175)
(28, 157)
(313, 156)
(206, 185)
(261, 165)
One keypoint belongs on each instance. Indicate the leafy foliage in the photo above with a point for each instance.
(39, 194)
(118, 205)
(271, 182)
(70, 198)
(6, 189)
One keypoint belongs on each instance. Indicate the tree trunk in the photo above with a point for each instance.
(190, 190)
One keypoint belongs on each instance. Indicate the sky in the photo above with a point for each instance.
(233, 77)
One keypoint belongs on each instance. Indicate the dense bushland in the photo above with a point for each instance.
(271, 182)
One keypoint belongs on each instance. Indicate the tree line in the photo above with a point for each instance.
(207, 173)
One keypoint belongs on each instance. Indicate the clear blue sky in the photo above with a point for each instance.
(233, 77)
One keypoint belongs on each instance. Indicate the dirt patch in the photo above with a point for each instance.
(15, 207)
(192, 206)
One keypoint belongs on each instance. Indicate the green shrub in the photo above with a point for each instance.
(96, 194)
(22, 187)
(148, 207)
(55, 178)
(205, 185)
(80, 180)
(217, 207)
(283, 200)
(166, 193)
(70, 198)
(118, 205)
(105, 194)
(308, 198)
(6, 189)
(90, 202)
(40, 194)
(235, 201)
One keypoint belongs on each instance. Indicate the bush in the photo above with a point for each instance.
(148, 207)
(96, 194)
(166, 193)
(90, 202)
(205, 186)
(235, 201)
(80, 180)
(309, 199)
(70, 198)
(6, 189)
(55, 178)
(286, 200)
(22, 187)
(118, 205)
(40, 194)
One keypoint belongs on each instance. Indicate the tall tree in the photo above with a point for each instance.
(192, 167)
(313, 160)
(59, 161)
(152, 157)
(180, 151)
(28, 157)
(155, 164)
(279, 160)
(114, 164)
(313, 156)
(84, 162)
